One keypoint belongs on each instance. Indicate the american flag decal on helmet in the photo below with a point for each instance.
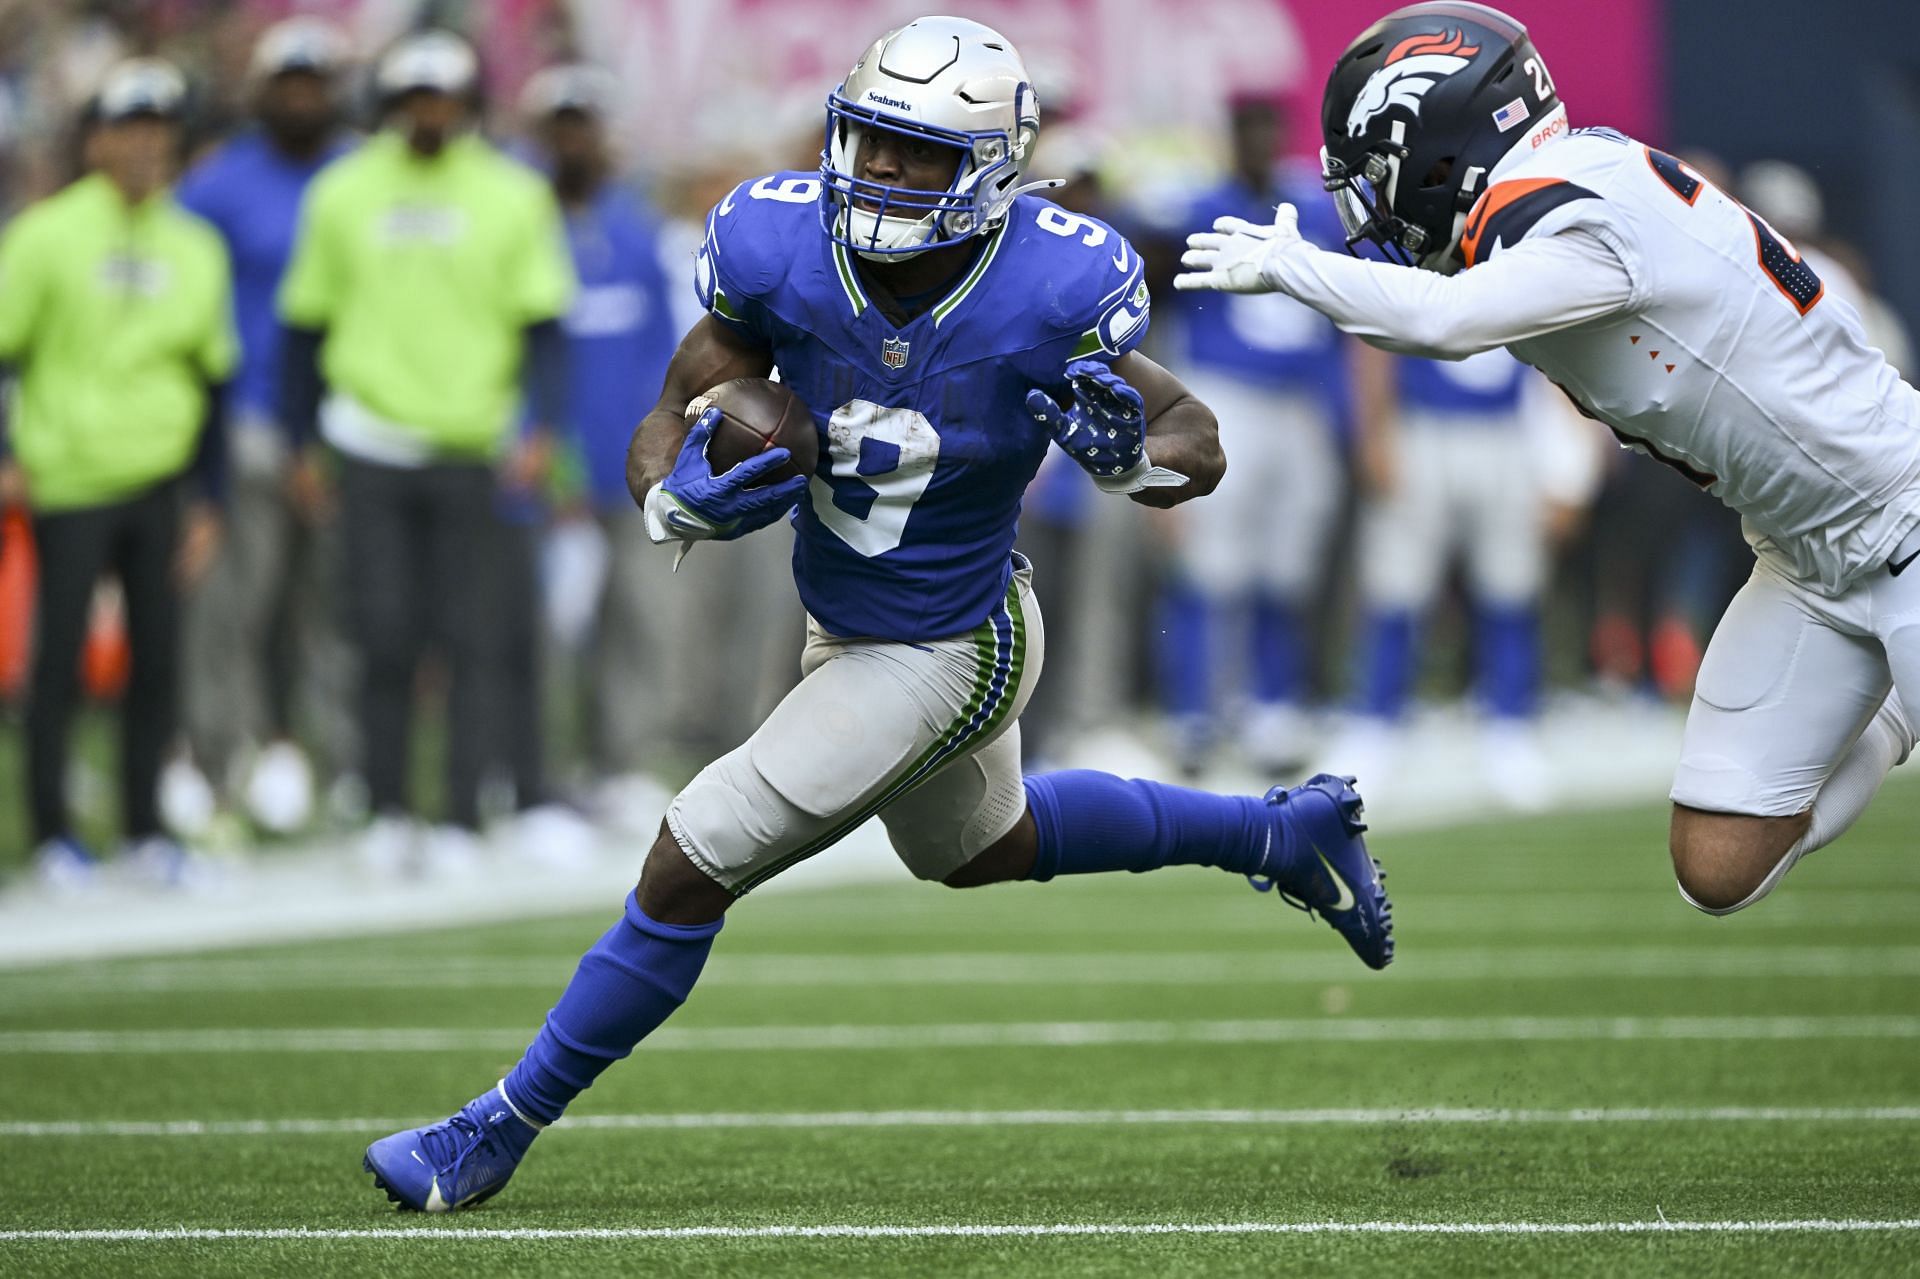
(1514, 113)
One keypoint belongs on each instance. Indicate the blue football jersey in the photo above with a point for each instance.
(1267, 339)
(1480, 386)
(926, 444)
(620, 334)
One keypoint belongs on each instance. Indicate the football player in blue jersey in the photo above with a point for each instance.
(946, 327)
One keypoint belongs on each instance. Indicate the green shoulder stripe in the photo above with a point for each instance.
(849, 280)
(959, 295)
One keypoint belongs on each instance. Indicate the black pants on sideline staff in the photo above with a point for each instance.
(135, 540)
(519, 738)
(421, 547)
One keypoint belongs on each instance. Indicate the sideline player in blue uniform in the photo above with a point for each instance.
(1251, 559)
(1459, 429)
(936, 320)
(1447, 472)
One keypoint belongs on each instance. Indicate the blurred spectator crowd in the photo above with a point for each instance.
(352, 550)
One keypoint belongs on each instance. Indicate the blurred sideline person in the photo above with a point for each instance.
(427, 281)
(946, 328)
(1789, 199)
(1446, 471)
(1683, 321)
(1084, 550)
(1248, 561)
(115, 312)
(666, 650)
(261, 633)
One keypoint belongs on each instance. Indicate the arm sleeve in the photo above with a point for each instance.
(300, 382)
(20, 289)
(732, 267)
(209, 468)
(1125, 308)
(545, 374)
(219, 353)
(1537, 286)
(543, 285)
(309, 290)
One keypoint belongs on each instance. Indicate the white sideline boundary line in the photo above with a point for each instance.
(998, 1119)
(1044, 1034)
(993, 968)
(1818, 1225)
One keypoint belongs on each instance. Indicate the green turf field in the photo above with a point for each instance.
(1562, 1049)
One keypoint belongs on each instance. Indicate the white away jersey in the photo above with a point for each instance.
(1729, 362)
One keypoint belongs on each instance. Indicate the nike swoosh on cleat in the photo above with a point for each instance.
(1897, 569)
(1345, 901)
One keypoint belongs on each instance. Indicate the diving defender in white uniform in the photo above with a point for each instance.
(1685, 324)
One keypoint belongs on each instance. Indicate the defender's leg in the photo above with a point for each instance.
(1787, 714)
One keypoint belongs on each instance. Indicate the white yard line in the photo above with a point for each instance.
(426, 1232)
(1042, 1034)
(984, 968)
(1422, 1115)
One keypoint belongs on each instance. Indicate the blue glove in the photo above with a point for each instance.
(1105, 430)
(694, 505)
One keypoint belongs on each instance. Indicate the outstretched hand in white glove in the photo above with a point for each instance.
(1231, 258)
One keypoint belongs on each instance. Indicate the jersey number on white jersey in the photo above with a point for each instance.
(883, 460)
(1780, 260)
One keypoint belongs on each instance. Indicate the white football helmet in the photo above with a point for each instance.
(946, 80)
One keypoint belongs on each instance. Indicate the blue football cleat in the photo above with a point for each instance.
(459, 1163)
(1333, 876)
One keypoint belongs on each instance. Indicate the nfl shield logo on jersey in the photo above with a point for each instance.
(893, 353)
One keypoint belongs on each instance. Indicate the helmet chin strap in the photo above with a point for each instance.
(886, 232)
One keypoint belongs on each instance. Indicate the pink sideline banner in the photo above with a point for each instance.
(1606, 58)
(704, 78)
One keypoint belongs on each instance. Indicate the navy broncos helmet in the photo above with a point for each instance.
(1418, 111)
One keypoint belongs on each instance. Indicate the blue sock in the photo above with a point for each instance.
(630, 982)
(1278, 650)
(1509, 659)
(1090, 822)
(1183, 654)
(1387, 678)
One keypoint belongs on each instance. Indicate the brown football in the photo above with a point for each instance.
(755, 415)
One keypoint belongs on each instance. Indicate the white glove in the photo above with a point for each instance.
(1233, 256)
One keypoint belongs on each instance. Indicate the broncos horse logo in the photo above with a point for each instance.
(1414, 67)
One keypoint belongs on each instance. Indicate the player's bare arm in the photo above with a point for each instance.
(709, 354)
(1182, 435)
(1376, 421)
